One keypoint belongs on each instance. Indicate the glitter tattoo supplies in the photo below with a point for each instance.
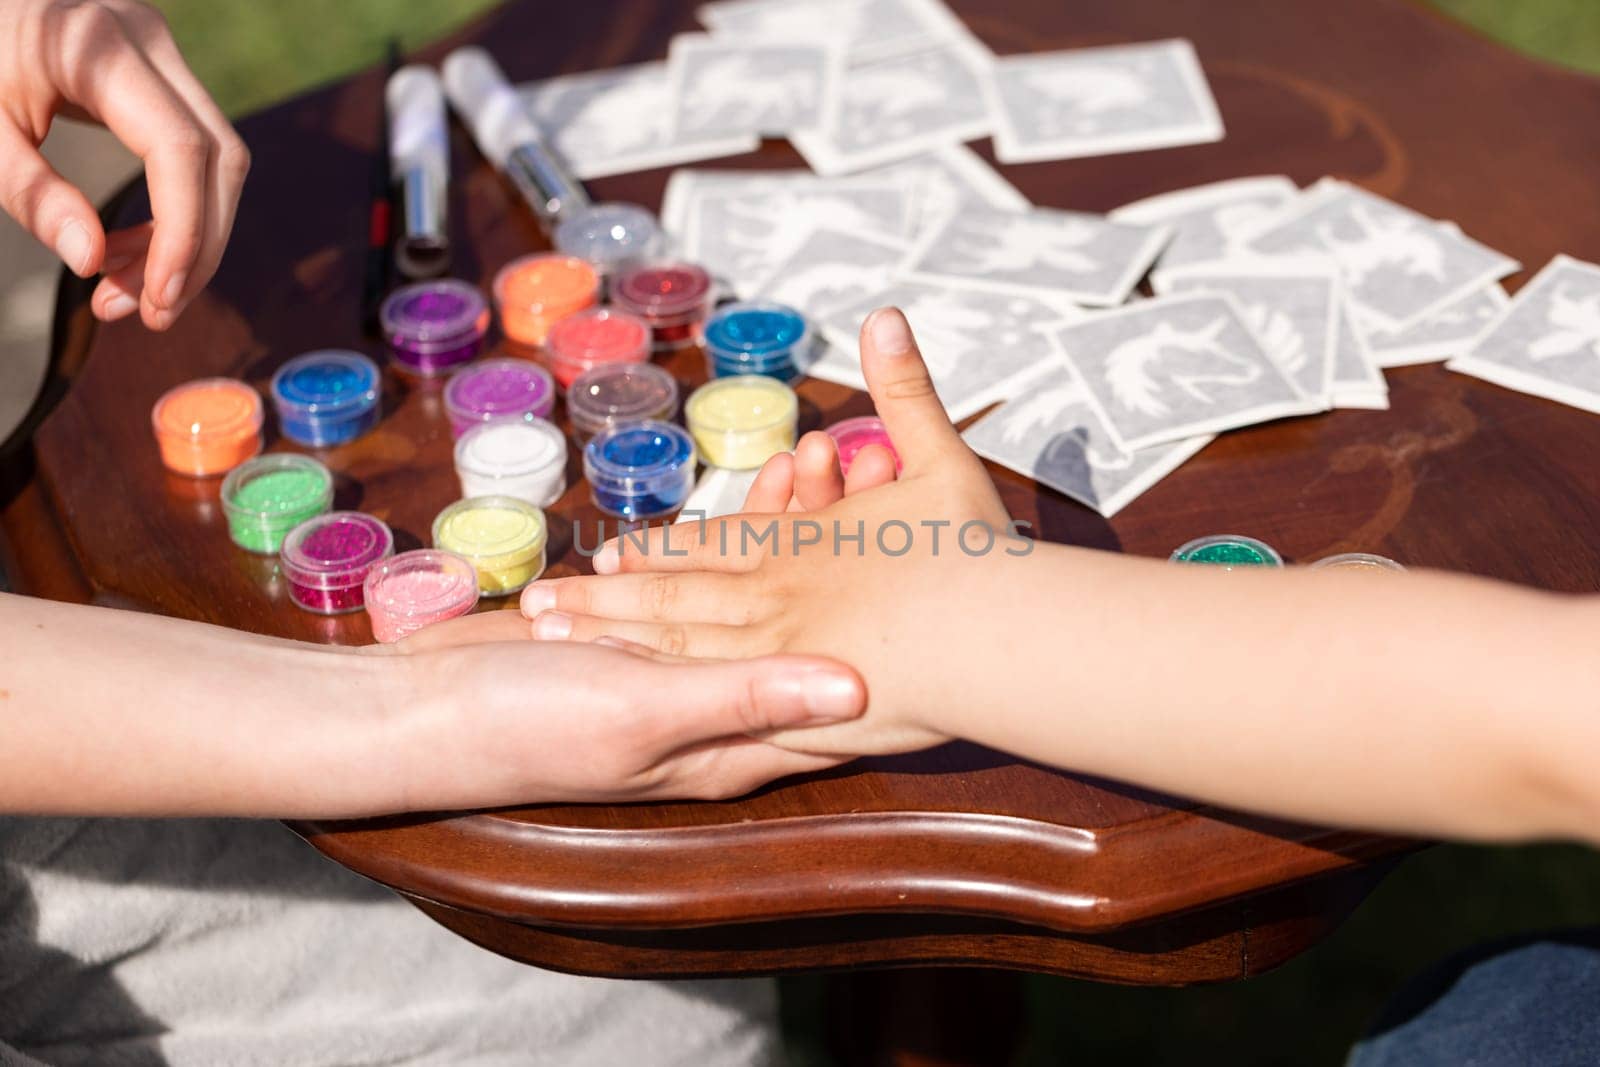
(1357, 561)
(639, 470)
(497, 389)
(742, 422)
(522, 458)
(673, 298)
(592, 337)
(610, 235)
(614, 393)
(433, 326)
(415, 589)
(503, 538)
(1228, 551)
(326, 398)
(266, 497)
(208, 426)
(756, 338)
(326, 560)
(535, 292)
(852, 435)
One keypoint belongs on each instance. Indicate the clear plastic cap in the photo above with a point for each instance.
(611, 234)
(415, 589)
(326, 383)
(1228, 551)
(511, 448)
(612, 393)
(336, 550)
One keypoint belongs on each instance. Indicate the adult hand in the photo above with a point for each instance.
(114, 62)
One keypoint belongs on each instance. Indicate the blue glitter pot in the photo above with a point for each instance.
(640, 470)
(326, 398)
(756, 338)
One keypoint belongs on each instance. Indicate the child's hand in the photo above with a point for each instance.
(809, 478)
(687, 593)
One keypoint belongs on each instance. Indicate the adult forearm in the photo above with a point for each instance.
(1421, 703)
(108, 712)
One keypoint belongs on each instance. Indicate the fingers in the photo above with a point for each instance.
(690, 640)
(47, 205)
(903, 392)
(731, 769)
(730, 600)
(817, 480)
(468, 630)
(729, 545)
(719, 700)
(117, 295)
(871, 467)
(773, 488)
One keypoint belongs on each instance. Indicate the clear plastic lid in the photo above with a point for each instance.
(496, 388)
(415, 588)
(435, 314)
(491, 528)
(611, 234)
(326, 384)
(336, 550)
(1228, 551)
(511, 448)
(746, 404)
(1361, 561)
(850, 436)
(546, 283)
(760, 333)
(620, 392)
(599, 335)
(208, 409)
(640, 458)
(661, 290)
(269, 490)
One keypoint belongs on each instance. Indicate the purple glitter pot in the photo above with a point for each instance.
(326, 560)
(498, 389)
(433, 326)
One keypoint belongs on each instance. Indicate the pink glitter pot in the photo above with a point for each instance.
(434, 326)
(584, 340)
(673, 298)
(326, 559)
(417, 589)
(850, 436)
(497, 389)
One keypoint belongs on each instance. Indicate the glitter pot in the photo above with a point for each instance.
(326, 398)
(612, 393)
(497, 389)
(266, 497)
(673, 298)
(610, 235)
(433, 326)
(415, 589)
(535, 292)
(1228, 551)
(640, 470)
(522, 458)
(852, 435)
(741, 422)
(583, 341)
(208, 426)
(1357, 561)
(327, 559)
(502, 537)
(756, 338)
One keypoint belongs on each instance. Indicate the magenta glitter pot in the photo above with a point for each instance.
(433, 326)
(327, 559)
(498, 389)
(850, 436)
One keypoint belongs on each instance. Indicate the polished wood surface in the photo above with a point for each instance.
(958, 855)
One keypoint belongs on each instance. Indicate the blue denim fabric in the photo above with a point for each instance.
(1531, 1002)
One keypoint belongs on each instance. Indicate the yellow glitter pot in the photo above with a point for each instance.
(743, 421)
(503, 538)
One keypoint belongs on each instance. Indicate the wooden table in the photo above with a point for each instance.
(959, 855)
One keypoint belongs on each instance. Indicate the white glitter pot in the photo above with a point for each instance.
(521, 458)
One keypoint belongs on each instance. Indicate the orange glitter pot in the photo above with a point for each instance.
(208, 426)
(535, 292)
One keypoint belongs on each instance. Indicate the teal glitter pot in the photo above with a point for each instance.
(1228, 551)
(640, 470)
(756, 338)
(326, 398)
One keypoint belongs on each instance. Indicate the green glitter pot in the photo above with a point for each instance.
(270, 495)
(1228, 551)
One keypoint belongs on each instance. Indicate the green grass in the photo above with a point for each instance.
(1308, 1012)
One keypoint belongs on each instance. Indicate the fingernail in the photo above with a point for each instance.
(538, 597)
(823, 696)
(608, 560)
(119, 307)
(73, 245)
(174, 290)
(552, 626)
(162, 319)
(890, 333)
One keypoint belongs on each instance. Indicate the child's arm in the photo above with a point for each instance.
(1422, 703)
(114, 713)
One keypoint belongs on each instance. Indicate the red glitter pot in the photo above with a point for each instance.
(327, 559)
(583, 341)
(674, 298)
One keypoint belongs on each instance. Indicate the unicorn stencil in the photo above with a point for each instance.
(1191, 360)
(1577, 326)
(1025, 419)
(1398, 241)
(1277, 333)
(1024, 242)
